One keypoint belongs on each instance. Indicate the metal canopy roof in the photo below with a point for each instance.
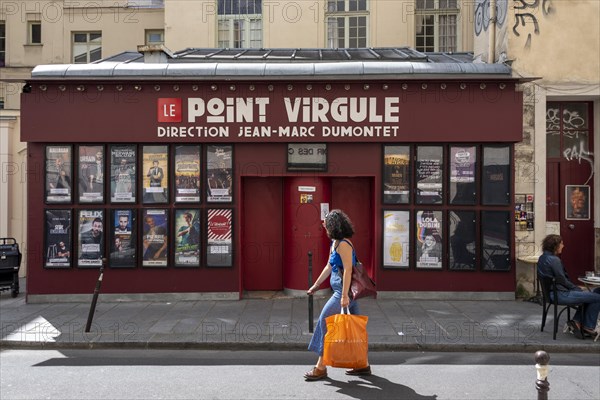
(157, 62)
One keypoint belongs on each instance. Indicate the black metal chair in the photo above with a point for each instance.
(548, 285)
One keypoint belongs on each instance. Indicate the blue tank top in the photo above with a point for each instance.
(337, 269)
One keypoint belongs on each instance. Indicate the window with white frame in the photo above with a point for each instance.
(2, 43)
(155, 36)
(436, 25)
(34, 32)
(240, 24)
(347, 23)
(87, 47)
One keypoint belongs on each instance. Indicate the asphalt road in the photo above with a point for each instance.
(192, 374)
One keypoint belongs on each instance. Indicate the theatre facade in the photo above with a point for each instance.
(206, 173)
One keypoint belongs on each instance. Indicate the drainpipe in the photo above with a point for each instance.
(492, 35)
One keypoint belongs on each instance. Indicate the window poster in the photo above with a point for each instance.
(91, 238)
(429, 239)
(123, 238)
(462, 175)
(429, 174)
(59, 172)
(91, 174)
(156, 173)
(123, 160)
(187, 174)
(187, 238)
(155, 238)
(58, 238)
(219, 172)
(396, 239)
(396, 174)
(219, 249)
(461, 234)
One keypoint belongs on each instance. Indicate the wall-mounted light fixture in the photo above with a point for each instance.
(232, 88)
(99, 88)
(120, 88)
(404, 86)
(290, 87)
(176, 88)
(308, 87)
(80, 88)
(43, 88)
(137, 87)
(463, 86)
(252, 88)
(62, 88)
(347, 87)
(502, 86)
(214, 88)
(270, 88)
(157, 88)
(366, 87)
(423, 86)
(195, 88)
(385, 86)
(328, 87)
(443, 86)
(27, 88)
(482, 86)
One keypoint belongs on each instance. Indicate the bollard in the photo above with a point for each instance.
(541, 384)
(310, 297)
(88, 325)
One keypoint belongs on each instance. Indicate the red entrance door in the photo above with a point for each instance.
(262, 236)
(569, 181)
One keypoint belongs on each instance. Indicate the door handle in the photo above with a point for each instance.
(572, 226)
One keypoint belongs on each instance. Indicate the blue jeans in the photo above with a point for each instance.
(591, 306)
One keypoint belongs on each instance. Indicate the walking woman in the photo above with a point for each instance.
(339, 267)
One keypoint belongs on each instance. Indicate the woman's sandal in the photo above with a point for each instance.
(315, 374)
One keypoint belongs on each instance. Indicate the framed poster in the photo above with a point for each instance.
(462, 174)
(187, 237)
(496, 178)
(429, 239)
(156, 174)
(187, 174)
(429, 174)
(219, 172)
(462, 234)
(123, 234)
(396, 239)
(123, 161)
(58, 238)
(59, 174)
(91, 174)
(577, 200)
(155, 237)
(396, 175)
(91, 238)
(219, 235)
(496, 240)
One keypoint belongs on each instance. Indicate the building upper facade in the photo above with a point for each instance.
(557, 41)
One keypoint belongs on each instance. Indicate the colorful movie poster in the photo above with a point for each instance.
(219, 171)
(123, 238)
(59, 173)
(123, 160)
(187, 174)
(156, 174)
(91, 174)
(155, 237)
(396, 238)
(429, 174)
(187, 238)
(429, 239)
(396, 174)
(219, 248)
(91, 238)
(58, 238)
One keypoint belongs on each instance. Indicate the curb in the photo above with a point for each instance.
(235, 346)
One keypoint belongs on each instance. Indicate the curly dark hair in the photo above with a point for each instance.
(338, 225)
(551, 242)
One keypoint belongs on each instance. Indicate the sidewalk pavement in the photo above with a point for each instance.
(281, 323)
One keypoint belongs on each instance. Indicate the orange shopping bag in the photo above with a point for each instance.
(346, 341)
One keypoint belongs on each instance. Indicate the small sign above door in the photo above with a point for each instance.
(307, 157)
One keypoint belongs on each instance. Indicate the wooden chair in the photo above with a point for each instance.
(548, 285)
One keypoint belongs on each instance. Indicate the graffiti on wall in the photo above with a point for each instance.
(526, 17)
(482, 14)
